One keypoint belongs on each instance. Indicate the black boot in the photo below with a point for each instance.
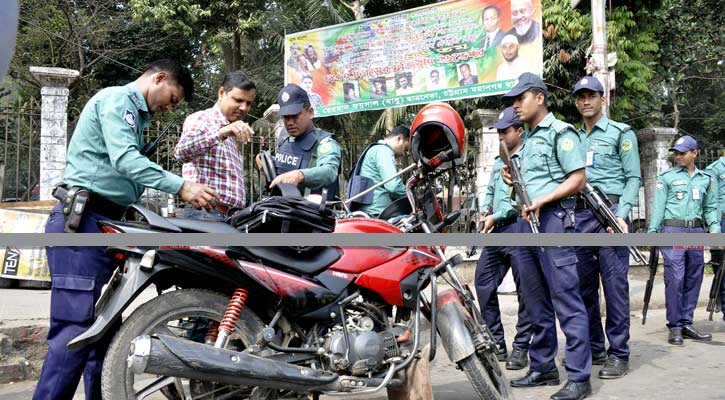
(573, 391)
(518, 359)
(599, 358)
(534, 378)
(675, 336)
(690, 332)
(614, 368)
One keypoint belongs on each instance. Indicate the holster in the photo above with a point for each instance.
(73, 201)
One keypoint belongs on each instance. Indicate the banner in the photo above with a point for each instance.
(30, 264)
(445, 51)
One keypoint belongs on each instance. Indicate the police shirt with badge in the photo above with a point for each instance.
(612, 161)
(681, 196)
(104, 151)
(552, 152)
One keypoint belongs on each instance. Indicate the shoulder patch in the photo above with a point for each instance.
(627, 145)
(325, 139)
(660, 185)
(567, 144)
(325, 147)
(130, 118)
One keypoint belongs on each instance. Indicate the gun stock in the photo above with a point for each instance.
(517, 182)
(601, 207)
(652, 266)
(715, 299)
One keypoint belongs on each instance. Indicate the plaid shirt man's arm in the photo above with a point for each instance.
(198, 136)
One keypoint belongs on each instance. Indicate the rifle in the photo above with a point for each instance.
(716, 284)
(601, 207)
(517, 182)
(654, 257)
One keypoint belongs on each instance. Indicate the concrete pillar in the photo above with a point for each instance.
(487, 139)
(54, 124)
(654, 144)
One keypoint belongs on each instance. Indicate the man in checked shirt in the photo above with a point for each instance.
(208, 146)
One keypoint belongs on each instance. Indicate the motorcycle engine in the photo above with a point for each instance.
(368, 349)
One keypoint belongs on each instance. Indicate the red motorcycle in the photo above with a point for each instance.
(291, 322)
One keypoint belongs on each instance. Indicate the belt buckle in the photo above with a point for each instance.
(689, 223)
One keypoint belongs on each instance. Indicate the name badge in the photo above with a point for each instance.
(696, 193)
(590, 158)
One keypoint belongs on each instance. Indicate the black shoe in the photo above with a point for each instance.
(599, 358)
(690, 332)
(675, 336)
(614, 368)
(501, 353)
(573, 391)
(534, 378)
(518, 359)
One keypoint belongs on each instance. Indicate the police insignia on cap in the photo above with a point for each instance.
(130, 118)
(584, 81)
(500, 116)
(626, 145)
(660, 185)
(567, 144)
(285, 97)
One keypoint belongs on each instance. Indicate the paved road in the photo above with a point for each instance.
(658, 370)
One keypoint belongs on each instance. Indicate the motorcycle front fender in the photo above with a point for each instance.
(121, 290)
(450, 321)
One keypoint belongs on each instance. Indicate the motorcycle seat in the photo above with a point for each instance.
(195, 225)
(309, 261)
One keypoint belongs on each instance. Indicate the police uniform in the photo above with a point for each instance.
(103, 157)
(612, 165)
(717, 169)
(548, 276)
(495, 262)
(684, 203)
(378, 165)
(315, 153)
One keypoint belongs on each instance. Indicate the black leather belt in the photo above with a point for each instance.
(681, 223)
(504, 223)
(582, 204)
(105, 207)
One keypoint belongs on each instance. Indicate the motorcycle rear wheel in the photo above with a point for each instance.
(485, 375)
(171, 313)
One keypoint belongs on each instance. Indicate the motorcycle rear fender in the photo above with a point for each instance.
(140, 272)
(450, 320)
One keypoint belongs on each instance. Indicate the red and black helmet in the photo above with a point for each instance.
(437, 135)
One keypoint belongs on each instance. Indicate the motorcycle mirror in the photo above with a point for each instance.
(449, 219)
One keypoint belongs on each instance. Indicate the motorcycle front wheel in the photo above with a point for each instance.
(186, 313)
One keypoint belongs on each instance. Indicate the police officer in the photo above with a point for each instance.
(612, 165)
(104, 159)
(377, 164)
(495, 261)
(685, 197)
(306, 156)
(717, 169)
(553, 171)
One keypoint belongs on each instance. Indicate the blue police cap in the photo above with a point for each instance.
(589, 83)
(684, 144)
(507, 118)
(526, 81)
(291, 99)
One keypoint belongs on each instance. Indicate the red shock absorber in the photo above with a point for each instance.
(231, 316)
(212, 333)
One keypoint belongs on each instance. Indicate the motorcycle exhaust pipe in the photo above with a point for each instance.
(172, 356)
